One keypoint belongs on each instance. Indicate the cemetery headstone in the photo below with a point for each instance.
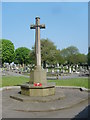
(70, 71)
(47, 70)
(52, 70)
(57, 70)
(57, 64)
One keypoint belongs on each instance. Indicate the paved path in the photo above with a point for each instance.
(9, 73)
(9, 106)
(79, 111)
(66, 77)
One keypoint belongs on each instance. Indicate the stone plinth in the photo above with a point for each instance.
(31, 90)
(59, 95)
(38, 75)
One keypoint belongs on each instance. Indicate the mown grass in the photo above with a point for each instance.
(12, 81)
(80, 82)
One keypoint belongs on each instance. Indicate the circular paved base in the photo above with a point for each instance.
(72, 97)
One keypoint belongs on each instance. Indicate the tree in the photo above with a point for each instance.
(82, 58)
(8, 54)
(69, 51)
(22, 55)
(49, 53)
(32, 56)
(88, 57)
(77, 59)
(69, 54)
(72, 50)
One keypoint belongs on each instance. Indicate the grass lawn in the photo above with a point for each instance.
(12, 81)
(80, 82)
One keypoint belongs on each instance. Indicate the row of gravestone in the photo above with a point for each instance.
(57, 69)
(16, 67)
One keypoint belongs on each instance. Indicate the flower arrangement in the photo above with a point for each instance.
(37, 84)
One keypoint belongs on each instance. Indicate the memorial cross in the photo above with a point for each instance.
(37, 27)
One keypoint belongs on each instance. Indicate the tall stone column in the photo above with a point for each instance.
(38, 75)
(37, 43)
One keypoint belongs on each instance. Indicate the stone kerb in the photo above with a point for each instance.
(63, 87)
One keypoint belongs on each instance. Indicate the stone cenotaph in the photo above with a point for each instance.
(38, 75)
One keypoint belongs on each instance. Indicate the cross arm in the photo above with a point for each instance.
(34, 26)
(42, 26)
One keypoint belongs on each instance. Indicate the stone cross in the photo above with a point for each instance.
(37, 27)
(38, 85)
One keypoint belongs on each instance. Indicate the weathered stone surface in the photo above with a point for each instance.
(58, 96)
(37, 28)
(31, 90)
(38, 76)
